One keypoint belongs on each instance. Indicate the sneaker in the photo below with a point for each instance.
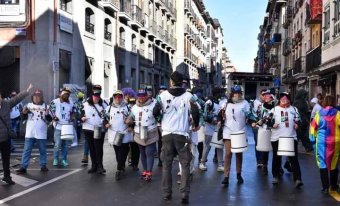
(185, 199)
(225, 181)
(179, 173)
(85, 160)
(74, 144)
(92, 170)
(220, 169)
(64, 163)
(298, 184)
(44, 169)
(167, 198)
(142, 176)
(275, 181)
(55, 162)
(148, 176)
(203, 167)
(101, 170)
(118, 175)
(259, 165)
(21, 171)
(324, 190)
(8, 180)
(239, 179)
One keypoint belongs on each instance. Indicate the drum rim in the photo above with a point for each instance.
(237, 133)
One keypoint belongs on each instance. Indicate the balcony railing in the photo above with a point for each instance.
(107, 35)
(89, 27)
(327, 36)
(137, 14)
(141, 52)
(313, 59)
(274, 59)
(122, 42)
(134, 48)
(125, 7)
(115, 3)
(153, 26)
(287, 46)
(336, 29)
(160, 33)
(166, 34)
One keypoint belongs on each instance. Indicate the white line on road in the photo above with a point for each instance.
(38, 186)
(23, 181)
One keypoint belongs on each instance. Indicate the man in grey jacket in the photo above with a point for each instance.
(5, 126)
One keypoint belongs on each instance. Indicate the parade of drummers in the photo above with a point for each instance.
(169, 102)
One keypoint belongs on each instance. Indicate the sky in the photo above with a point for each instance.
(240, 20)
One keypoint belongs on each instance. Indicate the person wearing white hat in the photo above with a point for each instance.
(316, 107)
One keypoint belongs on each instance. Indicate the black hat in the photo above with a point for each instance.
(177, 78)
(97, 89)
(285, 94)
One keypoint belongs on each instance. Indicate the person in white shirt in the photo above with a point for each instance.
(61, 110)
(93, 115)
(15, 118)
(286, 119)
(174, 107)
(316, 107)
(37, 117)
(234, 113)
(145, 130)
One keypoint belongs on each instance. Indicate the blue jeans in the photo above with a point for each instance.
(86, 147)
(147, 156)
(59, 143)
(26, 154)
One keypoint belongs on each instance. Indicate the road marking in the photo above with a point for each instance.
(38, 186)
(335, 195)
(23, 181)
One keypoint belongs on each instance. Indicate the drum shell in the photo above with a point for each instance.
(286, 146)
(215, 142)
(238, 142)
(67, 132)
(263, 140)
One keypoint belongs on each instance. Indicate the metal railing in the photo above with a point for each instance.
(107, 35)
(153, 26)
(166, 34)
(313, 59)
(160, 33)
(125, 7)
(137, 14)
(297, 66)
(336, 29)
(115, 3)
(89, 27)
(327, 36)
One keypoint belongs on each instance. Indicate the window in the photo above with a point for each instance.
(121, 76)
(142, 48)
(89, 20)
(66, 5)
(122, 37)
(336, 18)
(107, 72)
(326, 24)
(107, 30)
(134, 45)
(64, 66)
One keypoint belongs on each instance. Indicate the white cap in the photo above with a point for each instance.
(314, 100)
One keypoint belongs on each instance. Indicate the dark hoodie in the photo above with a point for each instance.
(178, 91)
(301, 104)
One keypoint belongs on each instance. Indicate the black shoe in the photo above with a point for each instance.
(8, 180)
(21, 171)
(101, 170)
(225, 181)
(44, 169)
(84, 161)
(167, 198)
(324, 190)
(185, 199)
(288, 166)
(239, 179)
(119, 175)
(298, 184)
(92, 170)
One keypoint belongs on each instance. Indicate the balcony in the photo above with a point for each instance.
(186, 30)
(153, 28)
(89, 27)
(137, 16)
(336, 29)
(186, 6)
(313, 59)
(287, 19)
(112, 4)
(289, 73)
(107, 35)
(274, 60)
(160, 32)
(166, 36)
(134, 48)
(125, 11)
(142, 52)
(327, 36)
(297, 67)
(287, 47)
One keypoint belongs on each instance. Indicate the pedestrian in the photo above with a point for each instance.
(145, 131)
(234, 113)
(301, 103)
(6, 132)
(15, 119)
(174, 106)
(134, 154)
(211, 110)
(324, 130)
(118, 132)
(37, 117)
(315, 104)
(162, 88)
(61, 110)
(93, 115)
(263, 123)
(79, 106)
(286, 120)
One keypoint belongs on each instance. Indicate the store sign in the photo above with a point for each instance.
(65, 22)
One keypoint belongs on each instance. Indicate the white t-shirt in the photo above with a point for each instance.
(210, 128)
(143, 116)
(63, 111)
(316, 108)
(94, 119)
(280, 114)
(117, 117)
(15, 111)
(36, 126)
(235, 118)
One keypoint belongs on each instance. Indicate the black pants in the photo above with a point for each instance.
(5, 155)
(332, 179)
(96, 148)
(276, 163)
(200, 151)
(122, 152)
(159, 149)
(174, 144)
(134, 154)
(302, 135)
